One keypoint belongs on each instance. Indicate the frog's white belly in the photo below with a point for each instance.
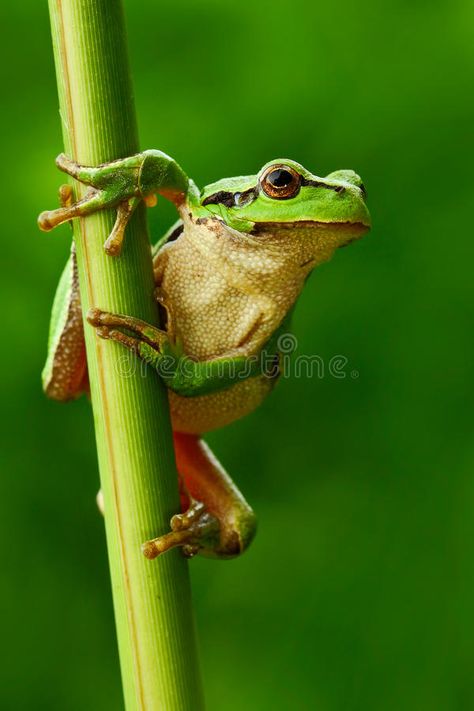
(223, 299)
(211, 319)
(209, 316)
(197, 415)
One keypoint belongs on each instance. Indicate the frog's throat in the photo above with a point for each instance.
(231, 263)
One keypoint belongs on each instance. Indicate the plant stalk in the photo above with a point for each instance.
(152, 600)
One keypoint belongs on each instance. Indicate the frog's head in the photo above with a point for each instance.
(308, 215)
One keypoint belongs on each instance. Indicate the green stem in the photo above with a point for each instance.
(152, 600)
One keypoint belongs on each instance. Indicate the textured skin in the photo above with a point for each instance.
(226, 292)
(227, 282)
(64, 375)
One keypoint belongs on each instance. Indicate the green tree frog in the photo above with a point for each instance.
(227, 277)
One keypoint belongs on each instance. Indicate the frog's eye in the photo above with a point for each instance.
(281, 182)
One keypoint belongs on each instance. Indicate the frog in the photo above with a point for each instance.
(227, 277)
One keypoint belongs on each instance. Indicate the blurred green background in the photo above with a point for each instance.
(358, 593)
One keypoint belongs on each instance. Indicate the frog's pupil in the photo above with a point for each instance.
(280, 178)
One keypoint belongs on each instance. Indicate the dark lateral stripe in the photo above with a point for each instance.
(175, 234)
(220, 198)
(226, 198)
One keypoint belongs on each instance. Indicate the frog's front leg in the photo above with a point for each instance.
(121, 184)
(184, 375)
(64, 375)
(95, 199)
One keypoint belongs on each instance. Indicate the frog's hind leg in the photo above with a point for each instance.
(218, 521)
(65, 375)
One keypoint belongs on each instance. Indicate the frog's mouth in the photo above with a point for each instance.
(348, 231)
(351, 231)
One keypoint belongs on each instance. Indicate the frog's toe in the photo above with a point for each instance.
(67, 165)
(65, 195)
(47, 220)
(82, 173)
(113, 244)
(94, 316)
(194, 530)
(90, 203)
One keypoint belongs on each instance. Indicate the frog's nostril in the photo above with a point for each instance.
(363, 189)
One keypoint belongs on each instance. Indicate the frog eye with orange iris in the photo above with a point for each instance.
(281, 182)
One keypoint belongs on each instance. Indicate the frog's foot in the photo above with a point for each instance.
(92, 202)
(194, 529)
(218, 523)
(111, 326)
(188, 529)
(113, 185)
(191, 530)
